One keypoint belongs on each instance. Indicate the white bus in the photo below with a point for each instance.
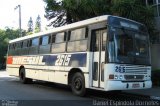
(103, 53)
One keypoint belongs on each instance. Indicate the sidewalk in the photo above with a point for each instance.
(153, 92)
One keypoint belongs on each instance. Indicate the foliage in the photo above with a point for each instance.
(38, 24)
(135, 10)
(5, 36)
(68, 11)
(30, 26)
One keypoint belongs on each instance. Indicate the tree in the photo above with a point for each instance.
(135, 10)
(30, 26)
(5, 36)
(55, 10)
(69, 11)
(38, 24)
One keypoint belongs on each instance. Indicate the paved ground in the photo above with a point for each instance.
(11, 90)
(13, 93)
(154, 91)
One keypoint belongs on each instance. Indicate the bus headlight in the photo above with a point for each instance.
(148, 77)
(120, 77)
(115, 76)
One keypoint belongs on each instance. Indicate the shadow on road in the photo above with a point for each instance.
(95, 94)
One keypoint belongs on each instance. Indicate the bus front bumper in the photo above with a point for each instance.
(120, 85)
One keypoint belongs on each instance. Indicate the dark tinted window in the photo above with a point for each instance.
(25, 43)
(18, 45)
(11, 46)
(29, 43)
(53, 38)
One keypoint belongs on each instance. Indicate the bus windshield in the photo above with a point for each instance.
(131, 45)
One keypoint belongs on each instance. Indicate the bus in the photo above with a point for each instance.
(103, 53)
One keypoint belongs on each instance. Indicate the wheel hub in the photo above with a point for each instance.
(78, 83)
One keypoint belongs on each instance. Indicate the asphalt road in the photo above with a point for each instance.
(39, 93)
(13, 93)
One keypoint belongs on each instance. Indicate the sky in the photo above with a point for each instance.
(9, 17)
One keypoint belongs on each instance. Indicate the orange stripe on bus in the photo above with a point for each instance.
(9, 60)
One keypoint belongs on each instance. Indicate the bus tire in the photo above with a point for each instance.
(78, 84)
(22, 77)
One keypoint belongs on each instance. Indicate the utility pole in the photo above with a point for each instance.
(20, 29)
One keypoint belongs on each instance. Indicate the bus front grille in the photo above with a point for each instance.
(134, 77)
(136, 70)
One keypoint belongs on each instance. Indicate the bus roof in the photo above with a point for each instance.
(65, 27)
(69, 26)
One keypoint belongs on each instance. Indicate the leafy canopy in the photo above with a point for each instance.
(135, 10)
(5, 36)
(69, 11)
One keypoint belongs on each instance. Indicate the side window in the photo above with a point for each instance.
(25, 43)
(98, 40)
(58, 42)
(24, 47)
(44, 40)
(60, 37)
(97, 43)
(35, 42)
(77, 40)
(33, 45)
(45, 44)
(19, 45)
(15, 46)
(53, 38)
(78, 34)
(104, 40)
(11, 49)
(29, 43)
(11, 46)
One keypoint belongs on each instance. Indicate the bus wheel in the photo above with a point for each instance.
(78, 84)
(23, 78)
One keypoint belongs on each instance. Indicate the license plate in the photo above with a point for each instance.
(135, 85)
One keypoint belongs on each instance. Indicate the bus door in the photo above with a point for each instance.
(99, 38)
